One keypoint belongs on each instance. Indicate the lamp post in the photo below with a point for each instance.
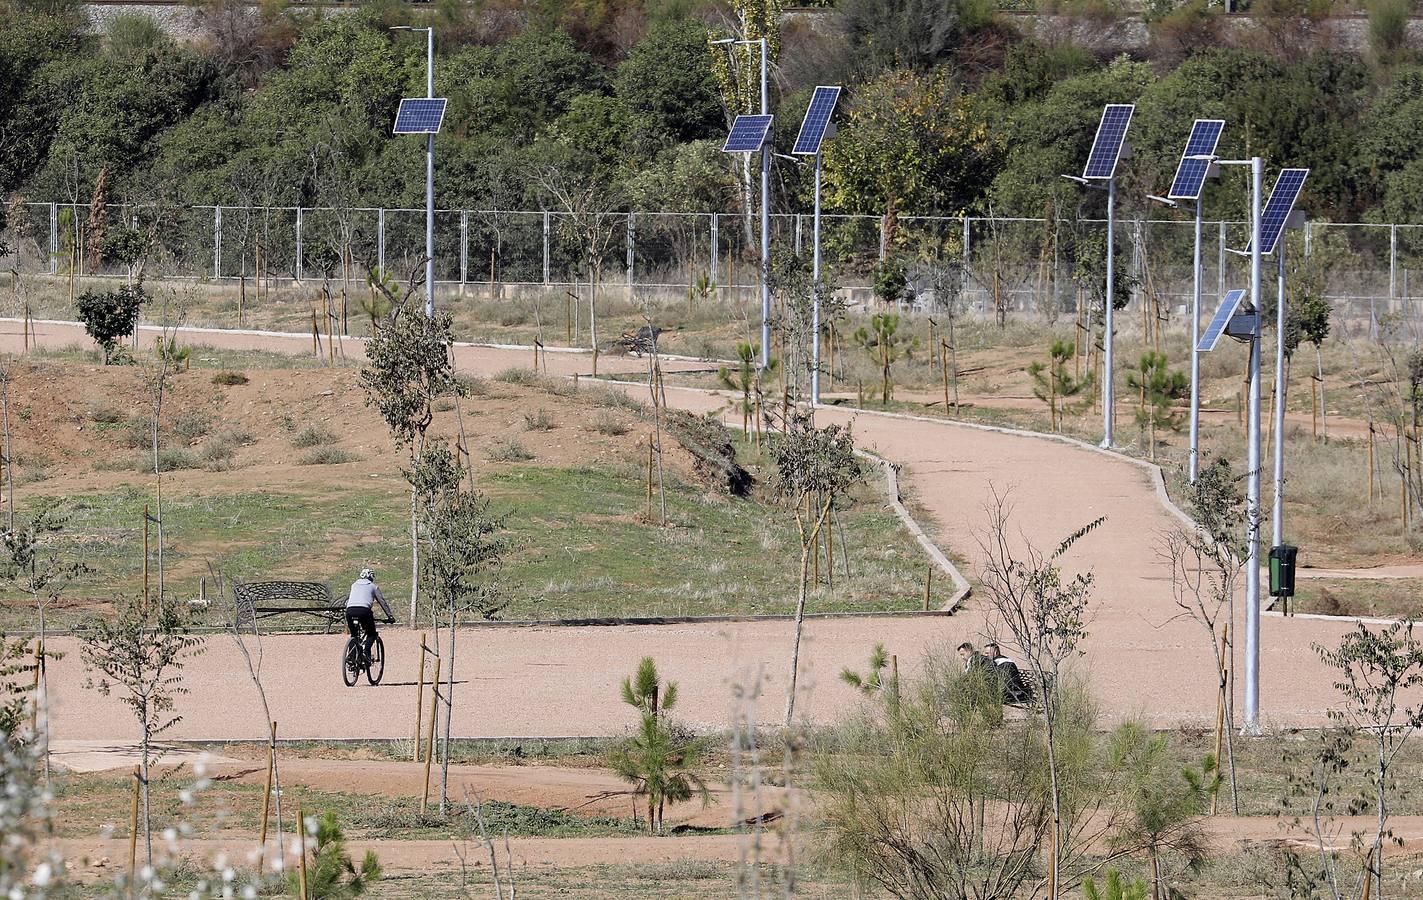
(429, 169)
(765, 207)
(1251, 723)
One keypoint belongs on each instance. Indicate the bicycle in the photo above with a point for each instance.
(353, 661)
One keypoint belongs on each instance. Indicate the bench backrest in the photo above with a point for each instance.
(264, 595)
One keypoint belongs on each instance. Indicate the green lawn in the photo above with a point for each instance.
(579, 546)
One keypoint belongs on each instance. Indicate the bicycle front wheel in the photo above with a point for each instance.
(375, 668)
(351, 662)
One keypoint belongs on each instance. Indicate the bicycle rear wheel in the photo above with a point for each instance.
(375, 667)
(350, 662)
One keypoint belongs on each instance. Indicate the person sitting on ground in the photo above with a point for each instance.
(359, 615)
(1015, 688)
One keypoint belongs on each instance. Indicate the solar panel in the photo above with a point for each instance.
(1222, 316)
(1278, 208)
(812, 127)
(420, 115)
(1107, 146)
(1191, 173)
(748, 133)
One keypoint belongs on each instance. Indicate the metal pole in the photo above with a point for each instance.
(1194, 464)
(765, 226)
(380, 239)
(299, 251)
(1278, 512)
(464, 248)
(1108, 386)
(631, 245)
(216, 242)
(1392, 265)
(53, 238)
(815, 291)
(1252, 498)
(546, 228)
(430, 181)
(1220, 264)
(715, 249)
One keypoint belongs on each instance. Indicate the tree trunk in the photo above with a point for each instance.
(1049, 715)
(147, 831)
(805, 544)
(1323, 406)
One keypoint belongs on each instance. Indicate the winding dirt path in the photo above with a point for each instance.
(1142, 658)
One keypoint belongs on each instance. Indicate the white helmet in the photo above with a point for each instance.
(368, 575)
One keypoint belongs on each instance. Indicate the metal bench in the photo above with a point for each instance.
(264, 599)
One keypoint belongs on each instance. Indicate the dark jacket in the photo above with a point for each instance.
(1015, 688)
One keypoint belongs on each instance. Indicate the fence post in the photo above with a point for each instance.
(546, 229)
(715, 247)
(1308, 238)
(380, 239)
(298, 245)
(797, 233)
(1136, 263)
(216, 243)
(53, 238)
(883, 222)
(464, 247)
(1393, 268)
(631, 246)
(967, 254)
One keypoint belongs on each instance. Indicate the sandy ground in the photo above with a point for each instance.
(582, 790)
(435, 856)
(1142, 658)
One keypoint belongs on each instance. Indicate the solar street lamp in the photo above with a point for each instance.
(423, 116)
(814, 129)
(1101, 172)
(1251, 723)
(1197, 163)
(765, 204)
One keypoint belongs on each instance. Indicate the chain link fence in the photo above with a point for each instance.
(1013, 264)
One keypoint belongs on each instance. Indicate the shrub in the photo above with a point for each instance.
(108, 316)
(219, 455)
(104, 414)
(312, 436)
(170, 459)
(611, 425)
(236, 435)
(538, 421)
(136, 435)
(229, 379)
(509, 451)
(516, 375)
(191, 426)
(326, 456)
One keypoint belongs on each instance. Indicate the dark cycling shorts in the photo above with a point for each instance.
(361, 618)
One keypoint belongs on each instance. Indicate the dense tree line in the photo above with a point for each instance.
(946, 109)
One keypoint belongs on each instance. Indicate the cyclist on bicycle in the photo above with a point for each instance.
(360, 616)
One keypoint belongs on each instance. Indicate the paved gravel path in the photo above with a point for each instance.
(1142, 658)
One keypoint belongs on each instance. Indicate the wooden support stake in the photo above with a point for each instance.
(1220, 712)
(1367, 891)
(649, 478)
(267, 800)
(1314, 406)
(301, 847)
(830, 554)
(430, 735)
(315, 337)
(133, 833)
(1371, 463)
(928, 585)
(35, 690)
(419, 701)
(145, 556)
(944, 371)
